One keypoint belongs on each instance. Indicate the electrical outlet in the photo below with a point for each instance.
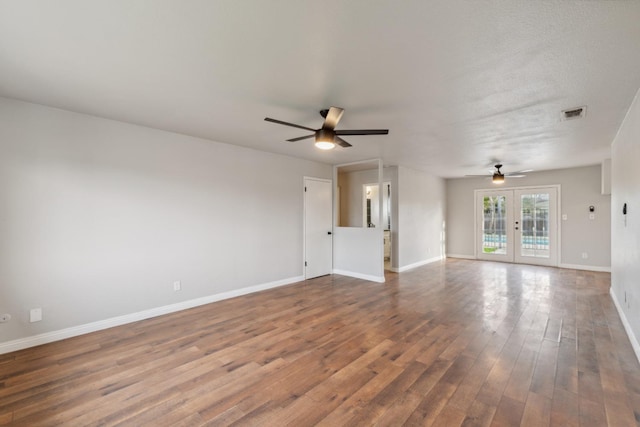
(4, 318)
(585, 255)
(177, 285)
(564, 217)
(35, 315)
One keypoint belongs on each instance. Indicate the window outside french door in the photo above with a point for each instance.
(518, 225)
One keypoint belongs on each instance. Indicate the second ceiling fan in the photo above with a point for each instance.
(498, 176)
(327, 137)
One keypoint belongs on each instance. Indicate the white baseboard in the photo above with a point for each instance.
(570, 266)
(627, 326)
(461, 256)
(359, 275)
(416, 264)
(586, 267)
(74, 331)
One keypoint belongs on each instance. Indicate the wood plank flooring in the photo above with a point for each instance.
(453, 343)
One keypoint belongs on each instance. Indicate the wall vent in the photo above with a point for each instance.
(574, 113)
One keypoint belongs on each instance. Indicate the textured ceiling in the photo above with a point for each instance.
(460, 84)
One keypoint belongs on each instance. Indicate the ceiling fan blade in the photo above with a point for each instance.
(280, 122)
(479, 176)
(341, 142)
(333, 117)
(300, 138)
(363, 132)
(514, 176)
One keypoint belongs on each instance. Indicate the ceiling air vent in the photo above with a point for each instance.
(574, 113)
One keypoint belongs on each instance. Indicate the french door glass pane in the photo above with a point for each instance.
(535, 225)
(494, 233)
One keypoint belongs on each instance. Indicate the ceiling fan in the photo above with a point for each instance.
(327, 136)
(498, 177)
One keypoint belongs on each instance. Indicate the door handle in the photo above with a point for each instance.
(328, 232)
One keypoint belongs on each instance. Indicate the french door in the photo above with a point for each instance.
(518, 225)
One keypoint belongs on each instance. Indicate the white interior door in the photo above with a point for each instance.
(518, 225)
(318, 227)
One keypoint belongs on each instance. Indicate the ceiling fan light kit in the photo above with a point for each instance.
(325, 145)
(327, 137)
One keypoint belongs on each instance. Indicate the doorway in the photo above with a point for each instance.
(318, 228)
(518, 225)
(372, 211)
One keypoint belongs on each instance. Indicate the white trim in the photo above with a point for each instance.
(461, 256)
(559, 224)
(627, 326)
(74, 331)
(586, 267)
(416, 264)
(359, 275)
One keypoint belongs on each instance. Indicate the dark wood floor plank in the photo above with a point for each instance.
(508, 413)
(567, 366)
(479, 414)
(591, 399)
(451, 343)
(537, 411)
(348, 410)
(450, 416)
(385, 398)
(467, 391)
(544, 374)
(564, 408)
(520, 380)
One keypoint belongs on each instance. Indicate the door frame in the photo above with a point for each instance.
(380, 208)
(304, 220)
(558, 241)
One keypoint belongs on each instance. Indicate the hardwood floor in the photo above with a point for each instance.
(452, 343)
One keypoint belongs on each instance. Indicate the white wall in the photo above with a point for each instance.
(421, 213)
(98, 218)
(625, 235)
(580, 188)
(358, 252)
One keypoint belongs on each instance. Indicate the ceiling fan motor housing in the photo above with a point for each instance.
(325, 135)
